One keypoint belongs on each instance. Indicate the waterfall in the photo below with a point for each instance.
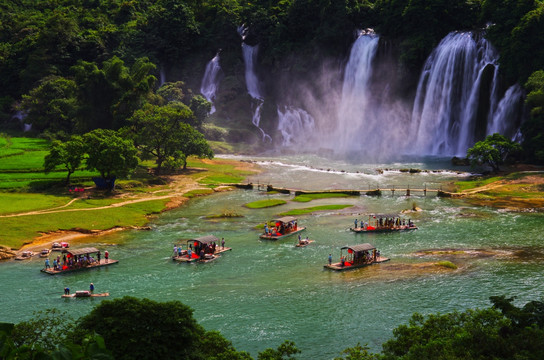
(253, 84)
(507, 110)
(294, 123)
(457, 81)
(252, 81)
(210, 81)
(162, 77)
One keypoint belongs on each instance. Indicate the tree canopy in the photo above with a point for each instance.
(109, 154)
(492, 151)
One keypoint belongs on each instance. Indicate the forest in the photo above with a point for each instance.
(72, 66)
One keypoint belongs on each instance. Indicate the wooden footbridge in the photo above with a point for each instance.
(378, 191)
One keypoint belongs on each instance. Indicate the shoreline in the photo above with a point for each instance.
(183, 184)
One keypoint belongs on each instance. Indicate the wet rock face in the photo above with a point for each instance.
(6, 253)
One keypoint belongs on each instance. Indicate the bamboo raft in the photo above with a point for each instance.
(338, 266)
(194, 257)
(84, 294)
(277, 237)
(384, 229)
(94, 265)
(304, 243)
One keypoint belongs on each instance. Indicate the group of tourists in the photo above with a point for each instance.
(198, 248)
(71, 262)
(280, 228)
(385, 223)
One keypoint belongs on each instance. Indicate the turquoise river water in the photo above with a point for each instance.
(262, 293)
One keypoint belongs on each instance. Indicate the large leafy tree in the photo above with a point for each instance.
(69, 153)
(109, 154)
(52, 105)
(194, 143)
(492, 151)
(109, 95)
(159, 131)
(144, 329)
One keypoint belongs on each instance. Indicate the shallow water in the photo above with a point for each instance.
(262, 293)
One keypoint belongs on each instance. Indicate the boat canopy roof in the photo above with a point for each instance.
(286, 219)
(206, 239)
(359, 247)
(384, 215)
(87, 250)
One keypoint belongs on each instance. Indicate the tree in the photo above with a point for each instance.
(109, 95)
(358, 352)
(284, 351)
(473, 334)
(52, 105)
(492, 151)
(159, 132)
(194, 143)
(144, 329)
(533, 128)
(201, 108)
(109, 154)
(68, 153)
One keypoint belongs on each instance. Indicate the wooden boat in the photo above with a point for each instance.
(202, 249)
(77, 257)
(357, 256)
(284, 226)
(45, 253)
(384, 223)
(25, 255)
(84, 294)
(304, 242)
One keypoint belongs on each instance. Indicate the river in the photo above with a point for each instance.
(262, 293)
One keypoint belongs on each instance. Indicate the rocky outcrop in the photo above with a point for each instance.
(6, 253)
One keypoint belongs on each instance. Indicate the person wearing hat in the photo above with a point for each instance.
(91, 288)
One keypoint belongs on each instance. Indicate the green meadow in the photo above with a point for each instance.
(24, 188)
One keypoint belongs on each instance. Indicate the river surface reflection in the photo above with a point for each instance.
(262, 293)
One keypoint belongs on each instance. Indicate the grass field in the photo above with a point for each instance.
(25, 188)
(303, 211)
(260, 204)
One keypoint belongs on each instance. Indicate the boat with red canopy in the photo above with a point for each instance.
(282, 227)
(383, 223)
(202, 249)
(357, 256)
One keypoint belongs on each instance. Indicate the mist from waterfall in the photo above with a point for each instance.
(210, 81)
(295, 125)
(448, 94)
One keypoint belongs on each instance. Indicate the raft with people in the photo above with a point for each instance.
(84, 294)
(77, 260)
(283, 226)
(383, 223)
(201, 249)
(356, 256)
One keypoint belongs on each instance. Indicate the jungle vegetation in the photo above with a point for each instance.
(129, 328)
(73, 66)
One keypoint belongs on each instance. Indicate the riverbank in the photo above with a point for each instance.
(91, 214)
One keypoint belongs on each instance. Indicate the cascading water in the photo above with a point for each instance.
(253, 84)
(508, 109)
(210, 81)
(294, 123)
(455, 83)
(354, 111)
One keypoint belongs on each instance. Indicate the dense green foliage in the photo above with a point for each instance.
(533, 128)
(76, 65)
(492, 151)
(130, 328)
